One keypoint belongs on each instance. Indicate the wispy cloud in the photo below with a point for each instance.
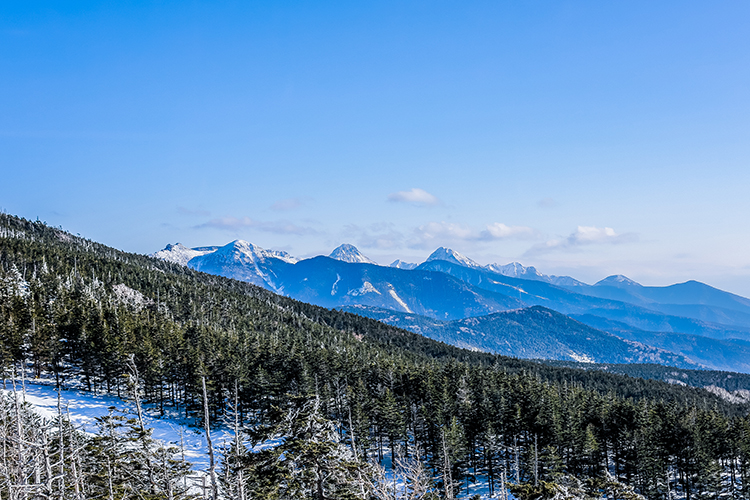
(498, 231)
(439, 233)
(583, 235)
(386, 236)
(415, 196)
(235, 224)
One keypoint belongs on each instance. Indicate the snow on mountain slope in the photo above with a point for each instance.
(180, 254)
(243, 261)
(512, 270)
(563, 280)
(398, 299)
(689, 308)
(517, 270)
(400, 264)
(84, 407)
(350, 253)
(617, 280)
(449, 255)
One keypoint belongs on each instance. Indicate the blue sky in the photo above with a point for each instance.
(584, 138)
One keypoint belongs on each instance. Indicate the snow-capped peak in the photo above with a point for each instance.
(244, 250)
(518, 270)
(236, 250)
(449, 255)
(180, 254)
(400, 264)
(617, 280)
(515, 270)
(349, 253)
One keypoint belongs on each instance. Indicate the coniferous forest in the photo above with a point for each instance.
(346, 402)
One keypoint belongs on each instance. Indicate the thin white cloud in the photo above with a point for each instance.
(439, 233)
(415, 196)
(235, 224)
(386, 236)
(583, 235)
(432, 233)
(500, 231)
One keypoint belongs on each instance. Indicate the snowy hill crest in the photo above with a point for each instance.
(350, 253)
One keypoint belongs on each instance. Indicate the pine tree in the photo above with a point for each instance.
(302, 457)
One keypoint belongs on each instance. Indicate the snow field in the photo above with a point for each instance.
(83, 407)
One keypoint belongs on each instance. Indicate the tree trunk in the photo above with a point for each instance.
(211, 461)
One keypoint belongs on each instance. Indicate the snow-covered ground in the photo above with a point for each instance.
(83, 407)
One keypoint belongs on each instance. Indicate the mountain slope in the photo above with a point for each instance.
(717, 354)
(350, 253)
(244, 261)
(530, 333)
(460, 288)
(332, 283)
(688, 293)
(180, 254)
(568, 300)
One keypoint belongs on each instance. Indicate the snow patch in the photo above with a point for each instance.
(675, 381)
(131, 297)
(365, 288)
(740, 396)
(399, 300)
(581, 358)
(180, 254)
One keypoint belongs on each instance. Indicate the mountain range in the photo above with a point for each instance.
(686, 324)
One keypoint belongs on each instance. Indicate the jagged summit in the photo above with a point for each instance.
(180, 254)
(400, 264)
(177, 246)
(518, 270)
(515, 270)
(237, 251)
(350, 253)
(449, 255)
(244, 250)
(617, 280)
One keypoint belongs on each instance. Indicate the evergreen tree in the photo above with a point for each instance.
(302, 457)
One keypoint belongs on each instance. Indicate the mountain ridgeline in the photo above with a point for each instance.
(79, 310)
(689, 324)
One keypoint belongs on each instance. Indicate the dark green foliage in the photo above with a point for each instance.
(729, 381)
(570, 488)
(308, 461)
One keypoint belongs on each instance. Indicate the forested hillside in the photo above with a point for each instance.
(532, 332)
(80, 311)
